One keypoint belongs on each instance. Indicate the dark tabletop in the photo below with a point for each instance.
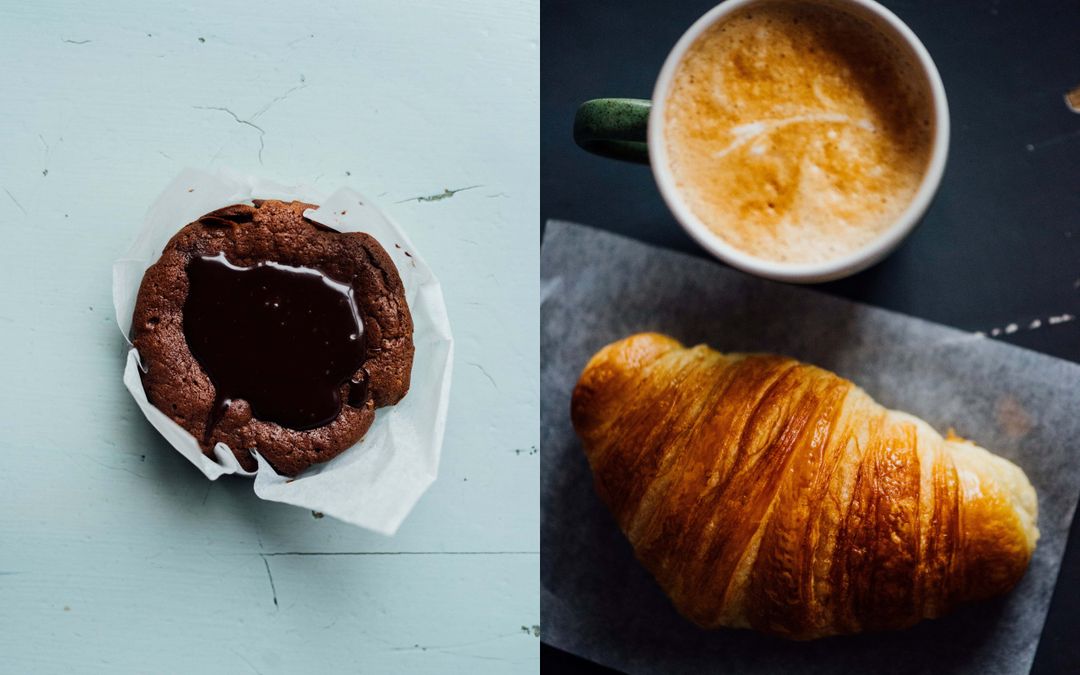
(999, 247)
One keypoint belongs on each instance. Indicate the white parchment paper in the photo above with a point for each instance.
(598, 602)
(375, 483)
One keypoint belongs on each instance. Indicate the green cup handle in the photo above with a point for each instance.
(614, 127)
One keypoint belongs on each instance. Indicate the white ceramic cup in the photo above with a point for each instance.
(613, 128)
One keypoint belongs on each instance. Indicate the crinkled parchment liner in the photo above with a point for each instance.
(375, 483)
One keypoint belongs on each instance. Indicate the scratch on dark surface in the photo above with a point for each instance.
(445, 194)
(1034, 324)
(262, 132)
(361, 553)
(207, 493)
(1038, 145)
(15, 200)
(76, 42)
(485, 372)
(270, 575)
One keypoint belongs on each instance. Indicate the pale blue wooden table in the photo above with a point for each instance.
(116, 555)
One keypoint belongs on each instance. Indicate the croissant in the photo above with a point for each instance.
(765, 493)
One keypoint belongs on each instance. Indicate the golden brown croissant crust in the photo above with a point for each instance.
(762, 492)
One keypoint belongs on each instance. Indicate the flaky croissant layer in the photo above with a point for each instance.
(766, 493)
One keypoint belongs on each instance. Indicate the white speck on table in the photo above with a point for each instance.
(118, 555)
(1034, 324)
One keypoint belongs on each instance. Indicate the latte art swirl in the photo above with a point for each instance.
(796, 132)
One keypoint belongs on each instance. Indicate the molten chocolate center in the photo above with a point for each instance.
(285, 339)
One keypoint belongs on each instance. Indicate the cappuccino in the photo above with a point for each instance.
(797, 132)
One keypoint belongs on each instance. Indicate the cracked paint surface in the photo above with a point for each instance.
(256, 115)
(143, 550)
(438, 197)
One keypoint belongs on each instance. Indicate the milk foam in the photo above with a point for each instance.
(797, 133)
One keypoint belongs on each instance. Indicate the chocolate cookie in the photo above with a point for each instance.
(266, 331)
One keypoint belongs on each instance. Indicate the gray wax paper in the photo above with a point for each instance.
(599, 603)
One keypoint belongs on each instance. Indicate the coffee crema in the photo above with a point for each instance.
(796, 132)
